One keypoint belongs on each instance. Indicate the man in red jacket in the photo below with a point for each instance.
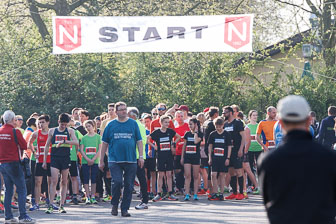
(11, 169)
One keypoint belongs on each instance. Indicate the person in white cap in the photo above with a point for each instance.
(289, 175)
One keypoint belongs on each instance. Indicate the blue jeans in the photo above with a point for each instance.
(118, 171)
(13, 174)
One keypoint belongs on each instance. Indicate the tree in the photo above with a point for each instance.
(325, 12)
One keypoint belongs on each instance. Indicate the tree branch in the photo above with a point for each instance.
(42, 5)
(76, 4)
(292, 4)
(192, 8)
(313, 7)
(241, 2)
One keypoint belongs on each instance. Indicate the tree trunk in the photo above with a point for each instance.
(34, 13)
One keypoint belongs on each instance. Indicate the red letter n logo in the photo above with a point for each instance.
(237, 31)
(68, 33)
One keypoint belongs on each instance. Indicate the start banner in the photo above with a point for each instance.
(224, 33)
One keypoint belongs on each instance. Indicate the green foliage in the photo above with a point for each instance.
(33, 80)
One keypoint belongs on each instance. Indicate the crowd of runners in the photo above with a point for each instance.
(209, 153)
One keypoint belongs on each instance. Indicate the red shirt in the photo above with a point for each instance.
(156, 125)
(41, 141)
(181, 130)
(8, 147)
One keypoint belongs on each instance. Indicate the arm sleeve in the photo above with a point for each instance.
(259, 128)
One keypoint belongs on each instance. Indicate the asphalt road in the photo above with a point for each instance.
(203, 211)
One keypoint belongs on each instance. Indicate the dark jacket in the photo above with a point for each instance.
(298, 181)
(327, 133)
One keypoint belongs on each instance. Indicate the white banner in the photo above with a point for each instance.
(223, 33)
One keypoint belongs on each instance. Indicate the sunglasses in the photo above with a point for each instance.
(155, 114)
(20, 119)
(161, 108)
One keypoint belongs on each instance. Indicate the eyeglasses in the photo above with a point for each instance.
(155, 114)
(161, 108)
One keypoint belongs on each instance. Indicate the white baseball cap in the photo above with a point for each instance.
(293, 108)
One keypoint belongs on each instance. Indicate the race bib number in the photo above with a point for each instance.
(191, 149)
(60, 138)
(271, 144)
(218, 151)
(165, 146)
(90, 151)
(253, 138)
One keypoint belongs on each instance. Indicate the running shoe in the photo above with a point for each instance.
(245, 195)
(68, 199)
(141, 206)
(54, 207)
(231, 197)
(87, 201)
(107, 198)
(49, 210)
(58, 199)
(208, 191)
(35, 207)
(26, 219)
(157, 198)
(150, 196)
(249, 190)
(240, 197)
(221, 197)
(14, 205)
(195, 197)
(213, 197)
(12, 220)
(172, 198)
(61, 209)
(187, 197)
(93, 201)
(2, 207)
(202, 192)
(74, 200)
(226, 190)
(256, 191)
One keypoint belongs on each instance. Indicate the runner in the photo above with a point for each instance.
(19, 122)
(41, 136)
(208, 128)
(155, 113)
(89, 148)
(73, 170)
(83, 116)
(251, 153)
(190, 156)
(236, 130)
(150, 162)
(165, 145)
(30, 154)
(133, 113)
(75, 116)
(184, 109)
(204, 159)
(220, 151)
(254, 149)
(327, 135)
(111, 115)
(61, 138)
(181, 128)
(265, 129)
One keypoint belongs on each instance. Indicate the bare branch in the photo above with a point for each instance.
(295, 5)
(76, 4)
(192, 8)
(241, 2)
(43, 5)
(313, 7)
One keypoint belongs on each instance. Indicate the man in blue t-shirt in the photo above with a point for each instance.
(120, 138)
